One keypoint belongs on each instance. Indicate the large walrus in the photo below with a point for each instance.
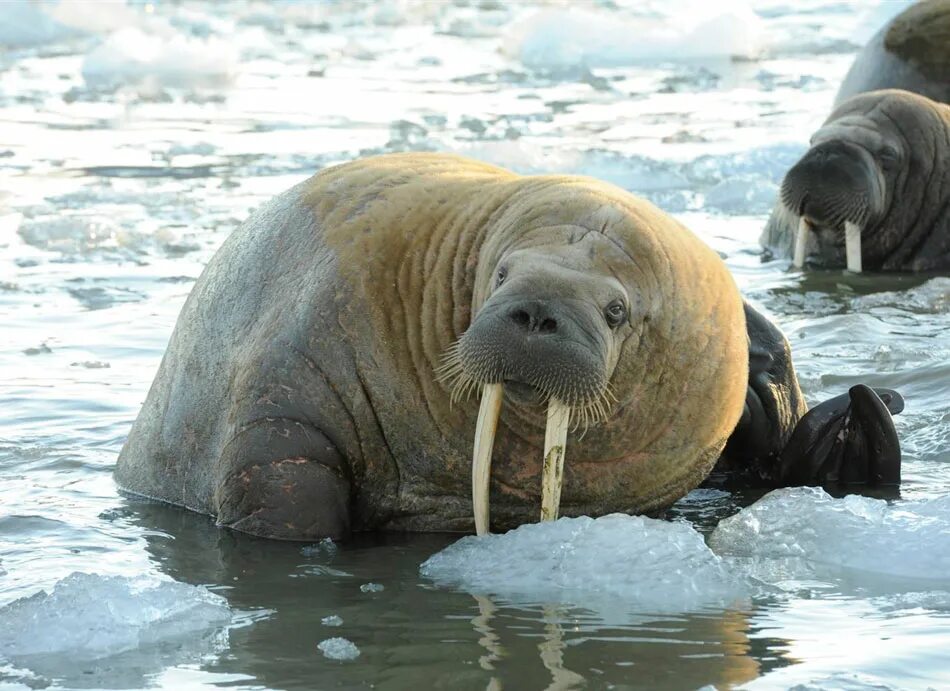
(873, 191)
(321, 375)
(912, 52)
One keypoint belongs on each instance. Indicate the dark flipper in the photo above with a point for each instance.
(848, 440)
(774, 404)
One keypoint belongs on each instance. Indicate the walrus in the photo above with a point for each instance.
(348, 347)
(911, 52)
(873, 191)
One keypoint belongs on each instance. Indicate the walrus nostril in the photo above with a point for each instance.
(534, 317)
(521, 318)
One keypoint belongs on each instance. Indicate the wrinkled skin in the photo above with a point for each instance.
(882, 162)
(912, 52)
(300, 397)
(307, 390)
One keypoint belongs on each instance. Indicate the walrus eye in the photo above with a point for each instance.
(889, 157)
(502, 275)
(615, 313)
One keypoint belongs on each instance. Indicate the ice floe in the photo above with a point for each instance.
(562, 39)
(609, 565)
(131, 56)
(804, 533)
(88, 616)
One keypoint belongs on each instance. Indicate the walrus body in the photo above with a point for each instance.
(912, 52)
(300, 398)
(873, 192)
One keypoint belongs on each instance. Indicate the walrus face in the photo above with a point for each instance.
(549, 334)
(841, 185)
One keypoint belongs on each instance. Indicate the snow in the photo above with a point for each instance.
(339, 649)
(90, 616)
(372, 588)
(332, 620)
(803, 533)
(608, 564)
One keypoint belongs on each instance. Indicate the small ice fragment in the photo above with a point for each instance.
(325, 546)
(372, 588)
(332, 620)
(339, 649)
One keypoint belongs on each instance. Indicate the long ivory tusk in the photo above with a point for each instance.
(552, 473)
(852, 244)
(801, 243)
(481, 456)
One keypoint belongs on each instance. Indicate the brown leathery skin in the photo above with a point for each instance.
(316, 330)
(913, 231)
(418, 239)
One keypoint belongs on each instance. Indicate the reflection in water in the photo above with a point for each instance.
(412, 633)
(552, 652)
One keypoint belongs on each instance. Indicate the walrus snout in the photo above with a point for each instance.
(836, 186)
(835, 182)
(545, 344)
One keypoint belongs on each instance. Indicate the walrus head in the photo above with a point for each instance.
(840, 186)
(549, 333)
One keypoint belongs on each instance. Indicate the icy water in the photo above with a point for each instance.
(133, 139)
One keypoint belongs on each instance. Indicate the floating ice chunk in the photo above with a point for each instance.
(90, 616)
(339, 649)
(372, 588)
(557, 39)
(332, 620)
(611, 565)
(325, 546)
(130, 56)
(811, 534)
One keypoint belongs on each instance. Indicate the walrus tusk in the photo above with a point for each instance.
(801, 242)
(552, 473)
(852, 244)
(481, 456)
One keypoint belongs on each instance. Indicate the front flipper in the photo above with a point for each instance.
(847, 440)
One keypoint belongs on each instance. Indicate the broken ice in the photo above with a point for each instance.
(804, 533)
(635, 562)
(91, 616)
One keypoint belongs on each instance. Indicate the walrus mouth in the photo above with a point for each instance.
(831, 187)
(561, 410)
(552, 474)
(852, 244)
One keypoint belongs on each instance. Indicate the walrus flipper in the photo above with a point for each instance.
(774, 404)
(847, 440)
(282, 478)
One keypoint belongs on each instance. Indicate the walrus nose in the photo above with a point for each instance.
(534, 317)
